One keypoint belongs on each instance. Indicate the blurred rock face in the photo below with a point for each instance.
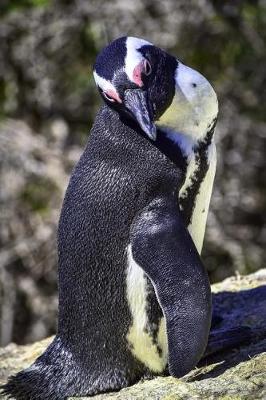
(34, 172)
(48, 102)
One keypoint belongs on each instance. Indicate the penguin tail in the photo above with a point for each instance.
(53, 376)
(22, 386)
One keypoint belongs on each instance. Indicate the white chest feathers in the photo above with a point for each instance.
(141, 342)
(186, 122)
(201, 202)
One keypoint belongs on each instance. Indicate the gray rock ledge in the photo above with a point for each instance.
(236, 374)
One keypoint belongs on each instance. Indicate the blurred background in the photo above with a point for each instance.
(48, 102)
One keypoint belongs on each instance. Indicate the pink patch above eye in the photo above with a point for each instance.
(114, 95)
(137, 74)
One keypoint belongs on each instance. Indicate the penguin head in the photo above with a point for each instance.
(137, 79)
(144, 83)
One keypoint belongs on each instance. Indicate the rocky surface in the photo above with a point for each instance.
(235, 374)
(34, 171)
(48, 101)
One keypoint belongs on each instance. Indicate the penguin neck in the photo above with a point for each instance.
(120, 135)
(189, 143)
(190, 119)
(164, 143)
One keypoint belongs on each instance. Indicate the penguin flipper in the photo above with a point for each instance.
(162, 246)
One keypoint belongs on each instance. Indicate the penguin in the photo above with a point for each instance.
(134, 296)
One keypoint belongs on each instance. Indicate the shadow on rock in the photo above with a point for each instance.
(243, 314)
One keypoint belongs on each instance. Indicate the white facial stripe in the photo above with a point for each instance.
(133, 56)
(103, 83)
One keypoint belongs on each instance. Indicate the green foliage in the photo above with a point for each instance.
(16, 5)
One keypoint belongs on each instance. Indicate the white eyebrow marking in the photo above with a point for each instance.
(133, 57)
(104, 84)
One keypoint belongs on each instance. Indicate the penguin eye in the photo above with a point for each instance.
(106, 95)
(147, 68)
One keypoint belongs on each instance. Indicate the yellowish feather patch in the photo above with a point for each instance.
(141, 343)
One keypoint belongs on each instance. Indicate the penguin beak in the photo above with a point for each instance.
(136, 101)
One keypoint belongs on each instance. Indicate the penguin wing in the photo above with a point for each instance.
(163, 248)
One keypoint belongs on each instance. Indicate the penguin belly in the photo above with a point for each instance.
(198, 219)
(147, 334)
(195, 193)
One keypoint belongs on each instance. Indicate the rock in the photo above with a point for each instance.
(235, 374)
(47, 52)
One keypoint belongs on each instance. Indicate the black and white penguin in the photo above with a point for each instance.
(134, 297)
